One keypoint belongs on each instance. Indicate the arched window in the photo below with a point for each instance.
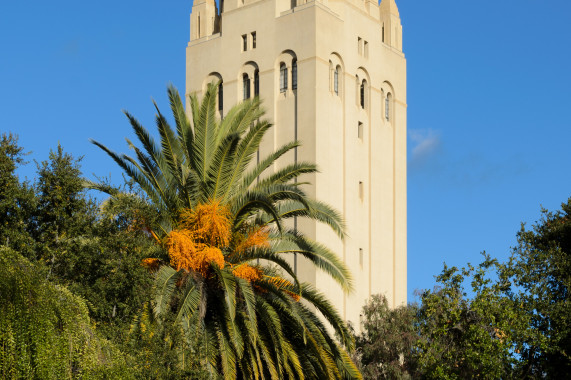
(256, 83)
(336, 80)
(220, 97)
(283, 77)
(357, 90)
(388, 100)
(387, 108)
(362, 94)
(246, 86)
(294, 74)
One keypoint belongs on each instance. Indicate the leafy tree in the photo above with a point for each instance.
(217, 221)
(63, 213)
(449, 336)
(515, 323)
(105, 267)
(95, 252)
(385, 346)
(45, 331)
(538, 281)
(462, 337)
(17, 200)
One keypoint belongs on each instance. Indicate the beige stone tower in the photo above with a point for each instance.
(332, 74)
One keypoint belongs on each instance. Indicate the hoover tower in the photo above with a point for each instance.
(332, 74)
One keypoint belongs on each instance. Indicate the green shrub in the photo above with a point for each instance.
(45, 330)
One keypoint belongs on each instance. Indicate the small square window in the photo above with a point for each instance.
(253, 40)
(244, 42)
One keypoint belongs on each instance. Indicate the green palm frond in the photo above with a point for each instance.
(270, 319)
(288, 173)
(249, 298)
(184, 131)
(221, 168)
(227, 356)
(265, 164)
(165, 287)
(170, 147)
(228, 282)
(247, 148)
(147, 140)
(292, 241)
(205, 133)
(249, 204)
(100, 186)
(190, 300)
(241, 117)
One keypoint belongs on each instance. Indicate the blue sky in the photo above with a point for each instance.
(489, 94)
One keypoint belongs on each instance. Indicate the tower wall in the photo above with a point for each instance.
(342, 123)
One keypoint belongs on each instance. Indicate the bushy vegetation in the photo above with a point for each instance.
(512, 321)
(45, 330)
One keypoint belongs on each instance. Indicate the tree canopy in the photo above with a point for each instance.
(497, 320)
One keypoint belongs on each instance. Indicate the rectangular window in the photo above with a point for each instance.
(253, 40)
(244, 42)
(359, 45)
(360, 130)
(361, 190)
(366, 49)
(361, 257)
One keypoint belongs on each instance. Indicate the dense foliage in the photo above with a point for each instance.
(225, 277)
(512, 323)
(538, 283)
(388, 333)
(45, 330)
(463, 337)
(17, 199)
(78, 253)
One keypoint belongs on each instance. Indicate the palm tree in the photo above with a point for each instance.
(225, 273)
